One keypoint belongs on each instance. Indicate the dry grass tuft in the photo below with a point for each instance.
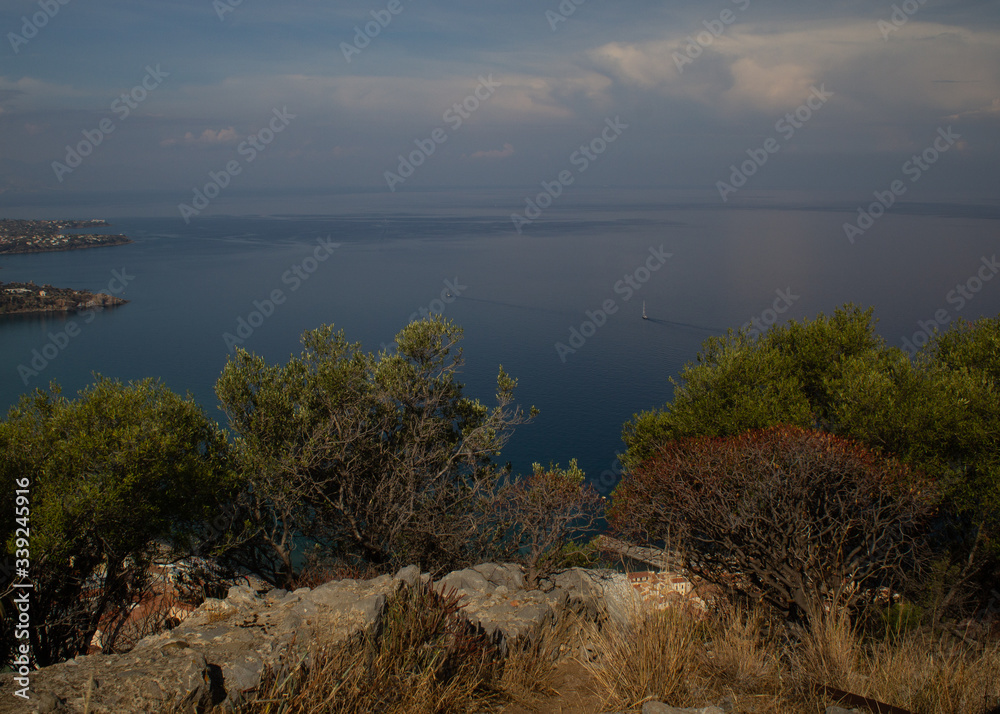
(740, 658)
(829, 653)
(426, 659)
(652, 657)
(671, 658)
(924, 674)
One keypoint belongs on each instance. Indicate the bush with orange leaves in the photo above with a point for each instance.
(803, 518)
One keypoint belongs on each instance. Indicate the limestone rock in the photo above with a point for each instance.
(150, 681)
(223, 649)
(661, 708)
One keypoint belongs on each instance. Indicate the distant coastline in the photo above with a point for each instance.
(28, 298)
(30, 236)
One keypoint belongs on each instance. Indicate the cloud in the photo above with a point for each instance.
(770, 68)
(209, 136)
(503, 153)
(28, 94)
(990, 111)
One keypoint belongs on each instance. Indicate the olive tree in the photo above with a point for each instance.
(372, 458)
(115, 475)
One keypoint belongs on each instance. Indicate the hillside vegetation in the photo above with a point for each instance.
(842, 497)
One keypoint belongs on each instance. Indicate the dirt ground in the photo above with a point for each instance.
(571, 692)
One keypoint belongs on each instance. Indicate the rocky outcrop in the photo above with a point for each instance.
(225, 646)
(493, 597)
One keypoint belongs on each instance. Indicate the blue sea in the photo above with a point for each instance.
(558, 305)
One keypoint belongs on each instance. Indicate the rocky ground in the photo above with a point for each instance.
(224, 648)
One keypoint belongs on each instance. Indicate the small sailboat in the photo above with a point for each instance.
(644, 315)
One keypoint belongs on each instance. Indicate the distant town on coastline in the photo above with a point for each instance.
(28, 236)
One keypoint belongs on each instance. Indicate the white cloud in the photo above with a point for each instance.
(771, 69)
(507, 150)
(990, 111)
(209, 136)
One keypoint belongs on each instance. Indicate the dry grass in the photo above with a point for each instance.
(920, 672)
(428, 659)
(527, 670)
(650, 658)
(674, 659)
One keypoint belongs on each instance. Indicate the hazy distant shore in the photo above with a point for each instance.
(29, 236)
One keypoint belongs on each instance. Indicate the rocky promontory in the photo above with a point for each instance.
(26, 298)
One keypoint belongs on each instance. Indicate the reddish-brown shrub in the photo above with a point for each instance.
(798, 516)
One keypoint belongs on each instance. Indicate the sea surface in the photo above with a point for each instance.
(577, 276)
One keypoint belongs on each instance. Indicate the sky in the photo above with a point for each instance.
(396, 96)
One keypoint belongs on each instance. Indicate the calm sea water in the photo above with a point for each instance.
(516, 296)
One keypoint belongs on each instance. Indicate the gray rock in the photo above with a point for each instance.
(243, 597)
(409, 575)
(467, 580)
(508, 575)
(841, 710)
(49, 702)
(224, 648)
(660, 708)
(150, 681)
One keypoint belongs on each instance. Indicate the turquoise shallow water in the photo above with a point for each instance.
(577, 278)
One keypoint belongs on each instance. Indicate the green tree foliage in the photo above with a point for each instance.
(939, 412)
(115, 475)
(378, 459)
(789, 375)
(802, 517)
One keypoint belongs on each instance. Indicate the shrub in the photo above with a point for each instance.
(801, 517)
(938, 413)
(542, 512)
(376, 459)
(114, 475)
